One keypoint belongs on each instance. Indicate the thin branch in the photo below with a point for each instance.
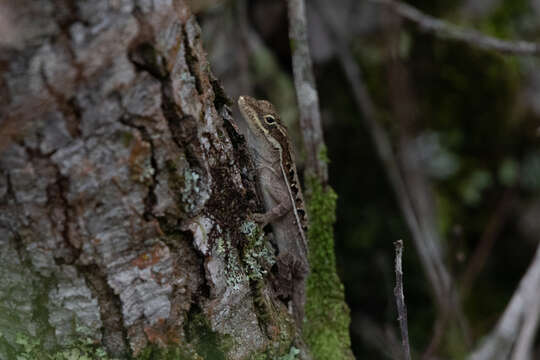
(400, 302)
(424, 236)
(447, 30)
(518, 322)
(525, 342)
(430, 256)
(381, 338)
(487, 241)
(306, 92)
(438, 332)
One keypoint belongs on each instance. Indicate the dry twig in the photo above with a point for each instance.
(306, 92)
(430, 253)
(447, 30)
(400, 302)
(517, 326)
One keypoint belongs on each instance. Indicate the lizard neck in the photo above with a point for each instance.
(262, 150)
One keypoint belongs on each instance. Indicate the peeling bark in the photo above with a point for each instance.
(125, 188)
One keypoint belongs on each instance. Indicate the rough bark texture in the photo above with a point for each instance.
(125, 188)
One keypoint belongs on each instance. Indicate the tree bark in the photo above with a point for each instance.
(125, 188)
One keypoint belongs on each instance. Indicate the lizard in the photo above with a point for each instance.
(271, 149)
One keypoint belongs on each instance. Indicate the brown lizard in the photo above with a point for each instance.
(278, 181)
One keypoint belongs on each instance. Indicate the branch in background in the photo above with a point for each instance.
(383, 339)
(490, 234)
(400, 302)
(517, 326)
(423, 232)
(447, 30)
(428, 250)
(525, 342)
(438, 333)
(241, 17)
(306, 92)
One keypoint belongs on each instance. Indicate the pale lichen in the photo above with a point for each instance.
(191, 187)
(258, 254)
(234, 273)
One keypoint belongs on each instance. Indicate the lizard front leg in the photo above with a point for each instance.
(276, 195)
(273, 214)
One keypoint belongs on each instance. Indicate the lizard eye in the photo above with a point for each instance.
(269, 119)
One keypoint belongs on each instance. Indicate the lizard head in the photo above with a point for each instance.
(262, 119)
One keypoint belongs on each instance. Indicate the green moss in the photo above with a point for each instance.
(155, 353)
(208, 343)
(275, 321)
(288, 353)
(292, 355)
(127, 137)
(327, 326)
(201, 342)
(84, 348)
(323, 155)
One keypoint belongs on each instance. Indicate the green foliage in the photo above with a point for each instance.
(474, 185)
(508, 172)
(502, 22)
(327, 325)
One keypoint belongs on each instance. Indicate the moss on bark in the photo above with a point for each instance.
(327, 316)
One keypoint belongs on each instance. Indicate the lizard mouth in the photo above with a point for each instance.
(246, 105)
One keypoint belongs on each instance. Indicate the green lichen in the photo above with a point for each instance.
(147, 172)
(185, 185)
(256, 259)
(234, 272)
(327, 327)
(258, 255)
(84, 348)
(191, 186)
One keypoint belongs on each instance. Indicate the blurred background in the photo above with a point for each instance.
(463, 125)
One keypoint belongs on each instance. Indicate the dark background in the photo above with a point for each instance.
(467, 118)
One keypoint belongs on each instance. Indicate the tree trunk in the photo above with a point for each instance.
(125, 190)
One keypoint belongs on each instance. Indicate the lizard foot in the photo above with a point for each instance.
(261, 219)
